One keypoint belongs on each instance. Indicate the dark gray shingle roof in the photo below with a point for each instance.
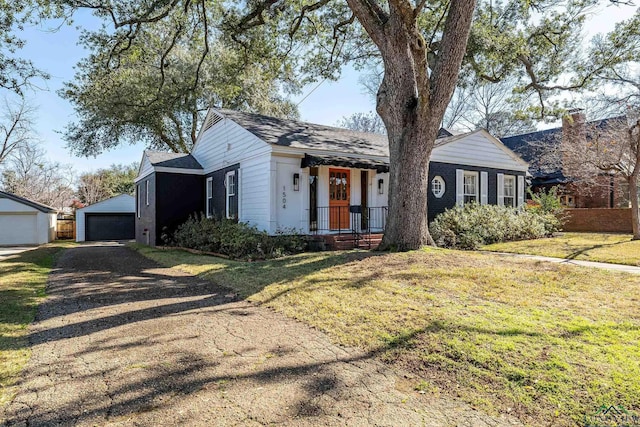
(172, 160)
(298, 134)
(31, 203)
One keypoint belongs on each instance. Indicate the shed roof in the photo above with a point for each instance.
(172, 160)
(27, 202)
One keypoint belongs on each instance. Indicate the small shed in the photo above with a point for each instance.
(111, 219)
(25, 222)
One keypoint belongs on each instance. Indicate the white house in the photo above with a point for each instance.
(280, 174)
(25, 222)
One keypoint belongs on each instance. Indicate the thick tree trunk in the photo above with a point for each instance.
(633, 195)
(411, 101)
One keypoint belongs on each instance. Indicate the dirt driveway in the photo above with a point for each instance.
(121, 341)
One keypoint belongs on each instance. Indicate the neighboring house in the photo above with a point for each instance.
(110, 219)
(542, 150)
(25, 222)
(287, 175)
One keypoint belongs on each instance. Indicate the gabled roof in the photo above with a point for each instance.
(119, 196)
(298, 134)
(27, 202)
(172, 160)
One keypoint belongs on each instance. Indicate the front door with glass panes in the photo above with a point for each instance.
(339, 197)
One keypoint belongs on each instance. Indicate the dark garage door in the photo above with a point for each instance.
(110, 226)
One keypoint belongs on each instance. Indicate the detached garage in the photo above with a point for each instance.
(25, 222)
(111, 219)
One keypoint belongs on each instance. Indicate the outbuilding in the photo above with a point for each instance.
(111, 219)
(25, 222)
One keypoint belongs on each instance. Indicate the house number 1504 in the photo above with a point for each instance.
(284, 197)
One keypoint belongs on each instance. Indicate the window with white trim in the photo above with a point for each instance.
(437, 186)
(470, 187)
(209, 197)
(138, 198)
(509, 191)
(230, 185)
(146, 192)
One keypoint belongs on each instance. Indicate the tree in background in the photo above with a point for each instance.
(423, 46)
(16, 127)
(156, 85)
(102, 184)
(17, 73)
(28, 173)
(363, 122)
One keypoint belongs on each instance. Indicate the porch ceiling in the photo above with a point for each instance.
(347, 162)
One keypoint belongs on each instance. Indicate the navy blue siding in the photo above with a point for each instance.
(448, 173)
(146, 223)
(173, 198)
(218, 208)
(178, 197)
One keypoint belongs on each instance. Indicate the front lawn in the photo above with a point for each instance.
(22, 286)
(602, 247)
(545, 342)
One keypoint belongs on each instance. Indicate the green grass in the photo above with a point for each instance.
(22, 286)
(601, 247)
(547, 343)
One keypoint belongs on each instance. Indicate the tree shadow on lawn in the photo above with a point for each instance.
(94, 289)
(95, 278)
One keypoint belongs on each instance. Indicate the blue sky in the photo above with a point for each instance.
(57, 53)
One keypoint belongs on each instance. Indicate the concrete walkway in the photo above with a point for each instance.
(602, 265)
(121, 341)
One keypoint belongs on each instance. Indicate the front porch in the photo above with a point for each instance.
(349, 227)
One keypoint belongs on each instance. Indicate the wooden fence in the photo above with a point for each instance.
(66, 229)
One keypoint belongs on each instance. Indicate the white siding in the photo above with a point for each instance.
(145, 168)
(123, 203)
(476, 149)
(24, 225)
(291, 205)
(227, 143)
(253, 203)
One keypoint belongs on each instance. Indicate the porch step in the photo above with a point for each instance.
(339, 242)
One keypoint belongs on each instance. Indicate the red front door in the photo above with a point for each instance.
(339, 197)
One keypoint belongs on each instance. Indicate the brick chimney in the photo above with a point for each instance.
(574, 137)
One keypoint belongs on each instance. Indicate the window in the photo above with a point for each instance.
(338, 186)
(509, 191)
(230, 184)
(209, 197)
(470, 187)
(437, 186)
(138, 198)
(567, 201)
(146, 192)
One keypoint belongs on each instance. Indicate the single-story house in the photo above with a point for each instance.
(547, 167)
(288, 175)
(110, 219)
(25, 222)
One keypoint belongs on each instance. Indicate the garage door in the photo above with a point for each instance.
(18, 229)
(110, 226)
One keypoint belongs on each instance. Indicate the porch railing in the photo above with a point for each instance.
(352, 219)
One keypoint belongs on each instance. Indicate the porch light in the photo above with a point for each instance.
(296, 182)
(380, 186)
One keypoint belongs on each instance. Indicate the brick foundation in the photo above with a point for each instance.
(598, 220)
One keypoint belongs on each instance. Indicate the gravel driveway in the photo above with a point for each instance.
(122, 341)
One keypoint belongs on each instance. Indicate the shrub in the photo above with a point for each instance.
(237, 240)
(473, 225)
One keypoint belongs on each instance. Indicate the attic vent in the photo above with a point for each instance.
(212, 119)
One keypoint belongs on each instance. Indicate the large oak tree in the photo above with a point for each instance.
(422, 45)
